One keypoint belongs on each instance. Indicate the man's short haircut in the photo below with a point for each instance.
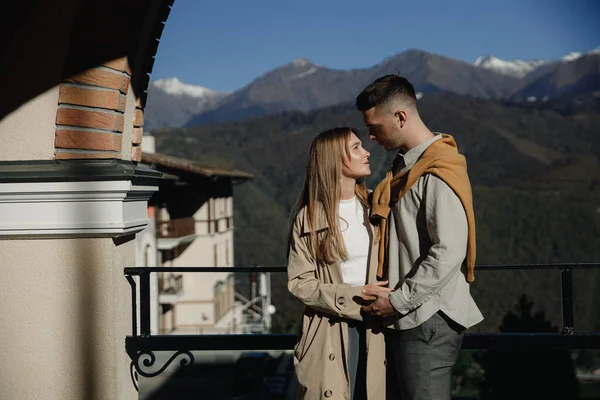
(385, 89)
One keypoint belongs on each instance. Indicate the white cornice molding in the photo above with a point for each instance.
(84, 208)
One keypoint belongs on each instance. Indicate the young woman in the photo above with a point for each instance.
(332, 256)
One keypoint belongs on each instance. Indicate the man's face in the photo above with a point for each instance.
(384, 127)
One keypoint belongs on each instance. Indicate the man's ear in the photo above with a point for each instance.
(401, 115)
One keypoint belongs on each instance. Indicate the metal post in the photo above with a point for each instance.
(263, 283)
(145, 303)
(267, 309)
(133, 305)
(253, 289)
(566, 279)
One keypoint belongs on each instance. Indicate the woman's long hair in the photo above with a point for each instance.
(322, 191)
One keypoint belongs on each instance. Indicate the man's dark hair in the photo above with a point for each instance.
(384, 89)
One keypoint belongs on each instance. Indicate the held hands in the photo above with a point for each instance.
(377, 295)
(369, 290)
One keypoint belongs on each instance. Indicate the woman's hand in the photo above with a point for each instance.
(379, 286)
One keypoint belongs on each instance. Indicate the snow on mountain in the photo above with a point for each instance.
(520, 68)
(172, 102)
(304, 73)
(575, 55)
(300, 62)
(175, 87)
(571, 56)
(297, 68)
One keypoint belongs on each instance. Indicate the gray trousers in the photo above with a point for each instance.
(357, 360)
(420, 360)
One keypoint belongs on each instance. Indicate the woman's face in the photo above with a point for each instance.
(355, 164)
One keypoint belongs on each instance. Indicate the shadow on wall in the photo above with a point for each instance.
(96, 305)
(88, 310)
(46, 42)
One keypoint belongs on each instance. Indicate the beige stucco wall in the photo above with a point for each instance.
(28, 132)
(128, 124)
(65, 314)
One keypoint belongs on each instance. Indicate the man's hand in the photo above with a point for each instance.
(381, 305)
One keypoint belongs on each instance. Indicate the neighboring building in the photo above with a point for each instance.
(193, 227)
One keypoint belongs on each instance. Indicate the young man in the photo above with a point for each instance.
(425, 215)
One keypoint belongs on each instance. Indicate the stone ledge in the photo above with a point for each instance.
(74, 199)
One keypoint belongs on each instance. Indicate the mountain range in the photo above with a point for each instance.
(302, 85)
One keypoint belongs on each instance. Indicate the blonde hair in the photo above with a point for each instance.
(322, 188)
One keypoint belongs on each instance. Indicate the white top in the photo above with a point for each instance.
(353, 225)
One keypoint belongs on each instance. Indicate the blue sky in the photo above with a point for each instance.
(225, 44)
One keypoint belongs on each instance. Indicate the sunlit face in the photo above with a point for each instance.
(355, 164)
(383, 127)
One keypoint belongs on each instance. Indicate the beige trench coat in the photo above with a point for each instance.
(321, 351)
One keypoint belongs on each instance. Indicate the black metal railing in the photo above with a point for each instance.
(141, 346)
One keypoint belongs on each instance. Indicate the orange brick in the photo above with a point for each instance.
(136, 135)
(84, 140)
(89, 97)
(136, 153)
(89, 119)
(120, 123)
(100, 77)
(120, 64)
(138, 117)
(138, 102)
(122, 102)
(90, 155)
(118, 143)
(125, 84)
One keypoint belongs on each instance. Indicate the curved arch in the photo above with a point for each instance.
(99, 54)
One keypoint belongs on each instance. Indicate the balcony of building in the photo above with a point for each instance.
(170, 287)
(175, 232)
